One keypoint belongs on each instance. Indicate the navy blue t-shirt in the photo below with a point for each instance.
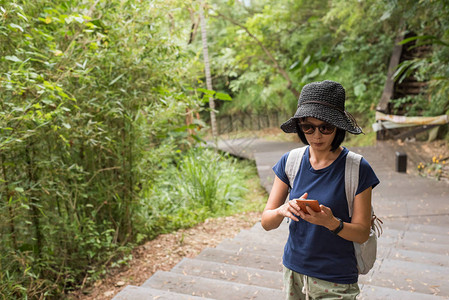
(311, 249)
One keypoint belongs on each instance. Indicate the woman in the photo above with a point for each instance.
(319, 260)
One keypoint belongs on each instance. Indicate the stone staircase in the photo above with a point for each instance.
(413, 252)
(413, 263)
(246, 267)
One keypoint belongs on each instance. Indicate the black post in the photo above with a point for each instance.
(401, 162)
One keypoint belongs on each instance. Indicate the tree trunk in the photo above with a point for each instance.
(207, 70)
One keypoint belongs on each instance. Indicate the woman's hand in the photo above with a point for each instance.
(291, 209)
(325, 217)
(356, 231)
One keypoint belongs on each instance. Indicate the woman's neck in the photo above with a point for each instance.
(322, 159)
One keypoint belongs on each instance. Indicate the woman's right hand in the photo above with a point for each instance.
(276, 208)
(291, 209)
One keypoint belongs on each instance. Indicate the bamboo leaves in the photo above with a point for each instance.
(80, 125)
(13, 58)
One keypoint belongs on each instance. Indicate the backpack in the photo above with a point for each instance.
(365, 253)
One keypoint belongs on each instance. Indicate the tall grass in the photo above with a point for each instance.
(200, 184)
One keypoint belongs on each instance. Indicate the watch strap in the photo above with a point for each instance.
(339, 228)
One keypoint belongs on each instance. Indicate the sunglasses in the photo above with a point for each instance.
(323, 128)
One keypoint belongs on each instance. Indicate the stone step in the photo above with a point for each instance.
(247, 240)
(283, 228)
(420, 246)
(416, 227)
(210, 288)
(438, 237)
(132, 292)
(243, 259)
(404, 203)
(259, 247)
(439, 220)
(441, 260)
(409, 276)
(232, 273)
(369, 292)
(280, 234)
(261, 237)
(417, 232)
(413, 241)
(424, 230)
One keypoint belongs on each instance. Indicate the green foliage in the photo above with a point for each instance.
(89, 101)
(435, 169)
(264, 52)
(259, 49)
(411, 106)
(361, 140)
(197, 185)
(430, 28)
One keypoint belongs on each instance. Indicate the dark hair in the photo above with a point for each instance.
(338, 139)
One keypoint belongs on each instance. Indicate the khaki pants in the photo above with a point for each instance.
(301, 287)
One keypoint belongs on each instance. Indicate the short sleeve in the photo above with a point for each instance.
(367, 177)
(279, 169)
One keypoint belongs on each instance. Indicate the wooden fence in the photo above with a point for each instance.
(243, 121)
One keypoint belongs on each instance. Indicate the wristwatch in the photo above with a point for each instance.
(339, 228)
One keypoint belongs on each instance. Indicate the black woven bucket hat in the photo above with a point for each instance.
(324, 100)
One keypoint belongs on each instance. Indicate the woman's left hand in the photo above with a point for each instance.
(325, 217)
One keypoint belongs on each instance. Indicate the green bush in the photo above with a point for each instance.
(199, 184)
(91, 91)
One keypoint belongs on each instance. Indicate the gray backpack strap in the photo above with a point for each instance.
(365, 253)
(293, 163)
(352, 177)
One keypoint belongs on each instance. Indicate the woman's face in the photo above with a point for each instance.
(318, 133)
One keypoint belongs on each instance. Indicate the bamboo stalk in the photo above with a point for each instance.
(33, 202)
(10, 208)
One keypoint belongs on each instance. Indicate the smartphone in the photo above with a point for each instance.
(313, 204)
